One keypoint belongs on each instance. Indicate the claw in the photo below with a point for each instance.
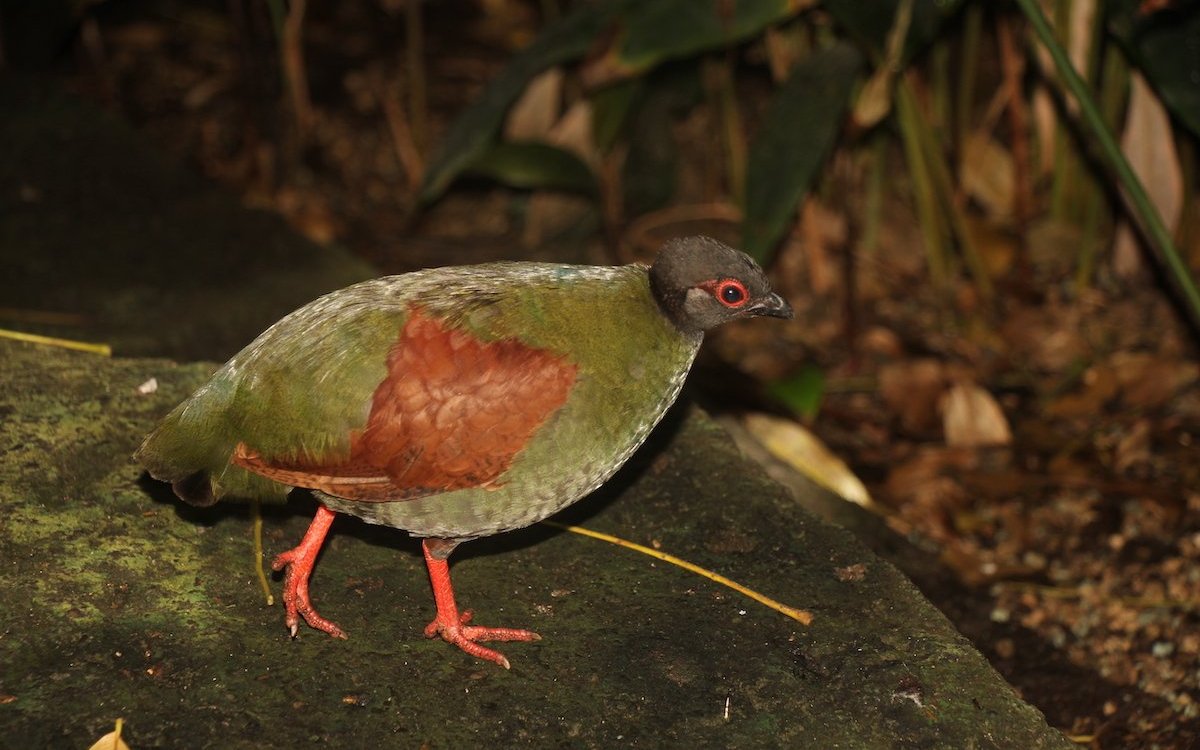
(299, 563)
(452, 626)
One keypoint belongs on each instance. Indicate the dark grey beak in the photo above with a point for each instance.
(773, 305)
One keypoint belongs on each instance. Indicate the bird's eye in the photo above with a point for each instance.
(732, 293)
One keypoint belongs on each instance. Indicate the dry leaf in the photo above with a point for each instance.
(875, 98)
(912, 390)
(1082, 33)
(971, 418)
(573, 132)
(851, 573)
(1150, 147)
(112, 740)
(986, 172)
(804, 452)
(534, 114)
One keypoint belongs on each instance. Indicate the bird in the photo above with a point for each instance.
(453, 403)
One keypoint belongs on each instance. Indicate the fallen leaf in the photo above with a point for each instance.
(851, 573)
(803, 451)
(112, 740)
(971, 418)
(986, 172)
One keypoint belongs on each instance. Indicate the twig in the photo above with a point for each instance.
(801, 616)
(33, 338)
(1013, 65)
(646, 223)
(291, 52)
(256, 510)
(403, 139)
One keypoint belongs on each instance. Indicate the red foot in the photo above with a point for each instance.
(299, 563)
(453, 628)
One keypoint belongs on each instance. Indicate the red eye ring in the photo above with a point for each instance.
(731, 293)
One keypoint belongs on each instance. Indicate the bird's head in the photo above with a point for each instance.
(701, 283)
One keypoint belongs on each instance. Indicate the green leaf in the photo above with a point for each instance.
(650, 173)
(803, 392)
(800, 128)
(473, 132)
(1164, 47)
(869, 21)
(534, 165)
(654, 32)
(611, 110)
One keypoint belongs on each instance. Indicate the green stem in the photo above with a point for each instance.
(930, 219)
(1066, 166)
(968, 67)
(1143, 210)
(942, 188)
(876, 181)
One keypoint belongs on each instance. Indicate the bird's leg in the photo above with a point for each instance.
(451, 625)
(299, 563)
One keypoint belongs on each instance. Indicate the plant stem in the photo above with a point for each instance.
(876, 178)
(1013, 65)
(968, 66)
(932, 227)
(291, 50)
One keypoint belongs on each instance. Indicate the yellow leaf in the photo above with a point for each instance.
(804, 452)
(112, 740)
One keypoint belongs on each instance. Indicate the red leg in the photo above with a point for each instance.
(452, 626)
(299, 563)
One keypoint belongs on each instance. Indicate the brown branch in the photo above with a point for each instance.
(1012, 62)
(291, 52)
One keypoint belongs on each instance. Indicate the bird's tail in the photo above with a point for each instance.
(192, 446)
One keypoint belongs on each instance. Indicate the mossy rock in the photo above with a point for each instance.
(121, 602)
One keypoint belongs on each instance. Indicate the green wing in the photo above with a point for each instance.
(300, 388)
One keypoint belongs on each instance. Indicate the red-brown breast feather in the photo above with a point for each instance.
(453, 412)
